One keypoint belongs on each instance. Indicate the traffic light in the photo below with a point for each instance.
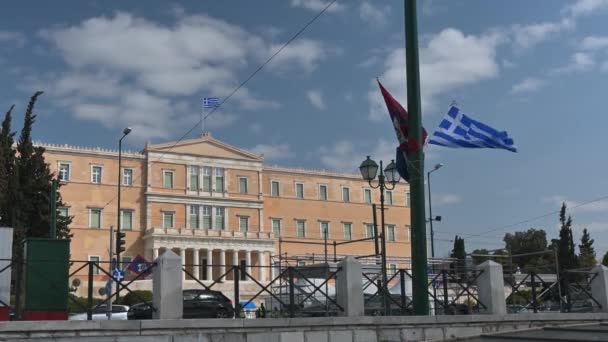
(120, 242)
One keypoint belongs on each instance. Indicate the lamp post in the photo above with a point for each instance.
(125, 132)
(369, 169)
(431, 219)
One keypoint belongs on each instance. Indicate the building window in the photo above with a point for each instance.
(243, 188)
(323, 192)
(392, 269)
(124, 262)
(168, 179)
(408, 231)
(207, 179)
(95, 260)
(64, 172)
(243, 223)
(194, 217)
(219, 179)
(301, 228)
(274, 188)
(168, 219)
(390, 232)
(207, 217)
(367, 195)
(220, 213)
(299, 190)
(324, 230)
(194, 176)
(96, 174)
(276, 227)
(369, 230)
(348, 231)
(388, 197)
(62, 212)
(95, 218)
(345, 194)
(127, 219)
(301, 263)
(407, 199)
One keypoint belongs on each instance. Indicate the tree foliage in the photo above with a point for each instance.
(479, 257)
(605, 259)
(25, 205)
(566, 254)
(587, 252)
(525, 242)
(459, 253)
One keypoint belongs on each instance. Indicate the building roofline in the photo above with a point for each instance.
(91, 150)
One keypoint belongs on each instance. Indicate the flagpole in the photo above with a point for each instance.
(417, 212)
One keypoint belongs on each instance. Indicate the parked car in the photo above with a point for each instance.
(197, 304)
(119, 313)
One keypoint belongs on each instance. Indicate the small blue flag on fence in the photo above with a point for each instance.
(460, 130)
(211, 102)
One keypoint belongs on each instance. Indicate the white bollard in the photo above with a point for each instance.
(167, 285)
(349, 287)
(491, 287)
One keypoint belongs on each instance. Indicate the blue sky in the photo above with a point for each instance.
(537, 69)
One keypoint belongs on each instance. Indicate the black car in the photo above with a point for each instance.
(197, 304)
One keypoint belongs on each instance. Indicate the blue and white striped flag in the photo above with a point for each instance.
(211, 102)
(459, 130)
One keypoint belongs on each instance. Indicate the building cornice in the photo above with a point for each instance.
(161, 197)
(96, 151)
(316, 172)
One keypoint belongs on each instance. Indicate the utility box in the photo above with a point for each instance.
(45, 284)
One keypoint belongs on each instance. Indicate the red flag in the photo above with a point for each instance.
(399, 118)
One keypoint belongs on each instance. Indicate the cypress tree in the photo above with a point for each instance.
(587, 252)
(7, 162)
(566, 254)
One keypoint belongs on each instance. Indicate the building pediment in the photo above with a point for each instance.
(205, 146)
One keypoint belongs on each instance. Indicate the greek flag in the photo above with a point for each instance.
(459, 130)
(211, 102)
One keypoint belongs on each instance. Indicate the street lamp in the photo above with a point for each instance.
(390, 175)
(125, 132)
(431, 219)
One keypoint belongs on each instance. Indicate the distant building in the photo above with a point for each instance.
(217, 205)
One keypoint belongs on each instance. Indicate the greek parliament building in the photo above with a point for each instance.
(216, 205)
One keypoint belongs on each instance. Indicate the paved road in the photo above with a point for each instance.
(594, 332)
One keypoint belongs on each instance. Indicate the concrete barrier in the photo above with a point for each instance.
(331, 329)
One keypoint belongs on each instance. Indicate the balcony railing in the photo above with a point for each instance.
(209, 232)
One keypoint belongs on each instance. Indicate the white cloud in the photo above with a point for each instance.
(374, 14)
(317, 5)
(448, 61)
(446, 199)
(576, 206)
(113, 61)
(305, 53)
(585, 7)
(16, 38)
(528, 85)
(595, 43)
(273, 152)
(579, 61)
(526, 36)
(316, 99)
(346, 155)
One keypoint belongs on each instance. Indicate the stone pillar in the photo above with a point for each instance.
(235, 257)
(262, 261)
(222, 263)
(6, 252)
(599, 286)
(167, 287)
(349, 287)
(491, 288)
(248, 261)
(210, 264)
(182, 253)
(196, 261)
(273, 268)
(155, 253)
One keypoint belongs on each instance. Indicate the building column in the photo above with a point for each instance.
(182, 253)
(262, 261)
(273, 269)
(248, 262)
(155, 253)
(222, 263)
(261, 219)
(210, 263)
(196, 261)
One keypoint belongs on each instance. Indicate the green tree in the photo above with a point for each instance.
(7, 162)
(587, 252)
(479, 257)
(529, 241)
(605, 259)
(32, 217)
(459, 253)
(566, 254)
